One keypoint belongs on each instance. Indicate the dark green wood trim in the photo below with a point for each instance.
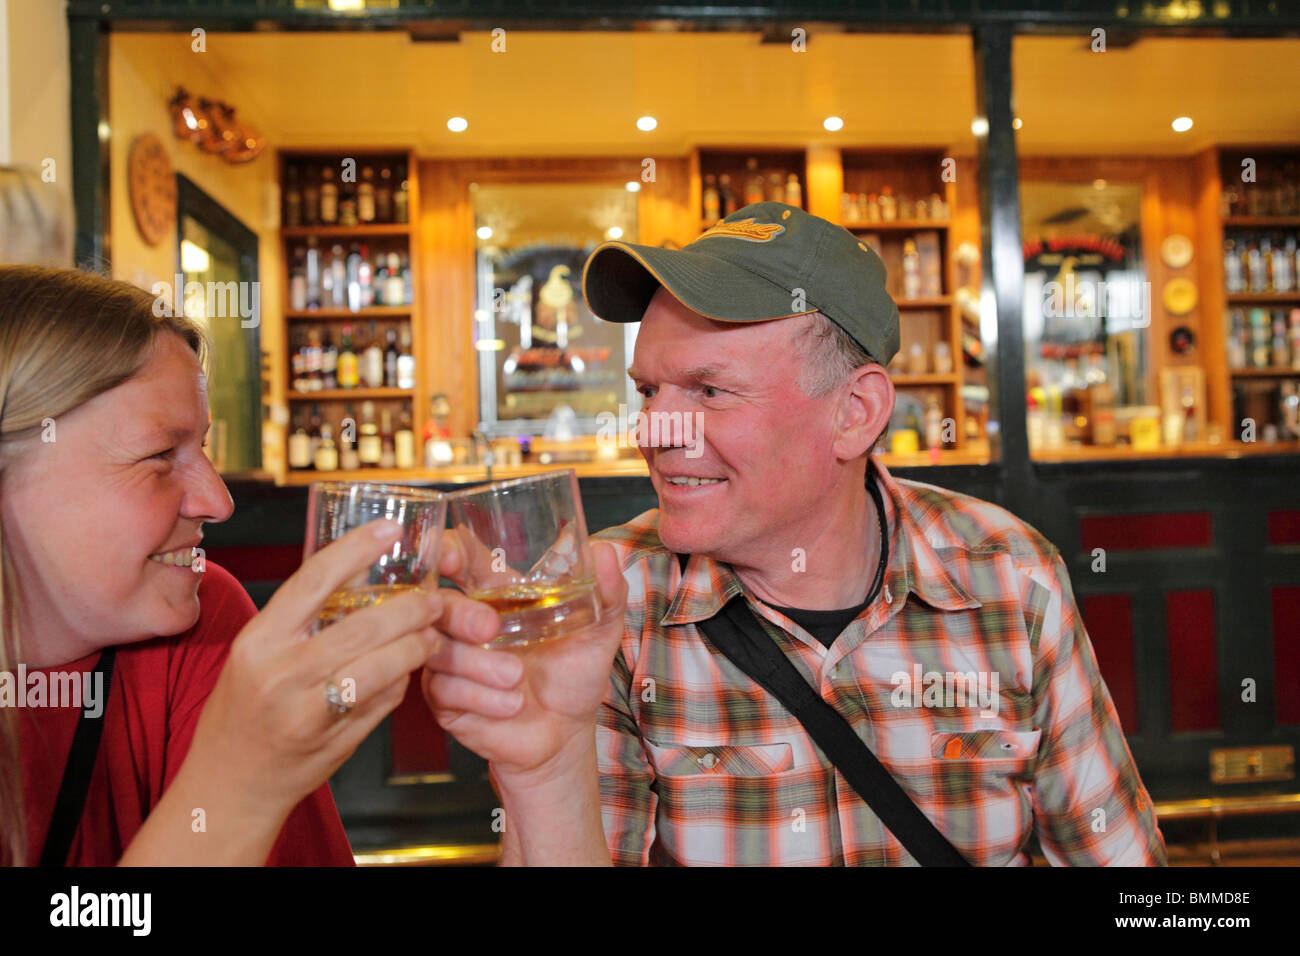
(88, 55)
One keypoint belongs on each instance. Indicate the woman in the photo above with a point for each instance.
(214, 748)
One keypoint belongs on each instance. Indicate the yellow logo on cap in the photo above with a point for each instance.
(746, 229)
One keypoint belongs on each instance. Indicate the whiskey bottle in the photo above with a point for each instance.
(348, 459)
(753, 182)
(327, 454)
(329, 197)
(373, 361)
(292, 199)
(391, 356)
(384, 196)
(366, 196)
(404, 440)
(370, 447)
(347, 373)
(387, 451)
(712, 201)
(329, 362)
(300, 457)
(1234, 272)
(401, 196)
(310, 199)
(726, 196)
(405, 361)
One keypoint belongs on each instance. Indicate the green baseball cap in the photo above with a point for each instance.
(766, 261)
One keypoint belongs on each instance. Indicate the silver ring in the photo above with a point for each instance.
(337, 705)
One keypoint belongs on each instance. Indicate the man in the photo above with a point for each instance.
(940, 627)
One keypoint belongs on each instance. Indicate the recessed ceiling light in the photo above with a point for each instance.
(1015, 123)
(979, 126)
(833, 124)
(458, 124)
(614, 232)
(1182, 124)
(632, 186)
(484, 232)
(1099, 184)
(646, 123)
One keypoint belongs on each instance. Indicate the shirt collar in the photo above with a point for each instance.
(915, 566)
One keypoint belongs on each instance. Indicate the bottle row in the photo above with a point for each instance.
(1270, 408)
(318, 364)
(913, 265)
(721, 198)
(886, 207)
(1257, 262)
(1276, 192)
(352, 280)
(1258, 338)
(346, 444)
(330, 194)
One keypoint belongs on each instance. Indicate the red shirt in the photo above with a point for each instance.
(157, 694)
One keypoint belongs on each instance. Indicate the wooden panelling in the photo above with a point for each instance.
(1193, 664)
(1285, 602)
(1109, 621)
(1140, 532)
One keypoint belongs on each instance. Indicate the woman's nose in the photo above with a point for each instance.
(207, 498)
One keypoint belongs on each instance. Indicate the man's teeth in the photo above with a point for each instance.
(692, 482)
(181, 559)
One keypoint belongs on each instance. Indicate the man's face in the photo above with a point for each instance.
(767, 445)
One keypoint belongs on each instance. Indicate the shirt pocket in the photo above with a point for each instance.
(757, 760)
(986, 747)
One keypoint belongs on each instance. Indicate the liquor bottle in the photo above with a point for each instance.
(292, 199)
(372, 361)
(390, 358)
(775, 188)
(369, 447)
(1259, 338)
(1234, 271)
(298, 363)
(1295, 338)
(347, 361)
(354, 279)
(387, 451)
(712, 201)
(911, 270)
(300, 457)
(1289, 412)
(401, 196)
(406, 361)
(313, 360)
(339, 273)
(888, 205)
(329, 362)
(1281, 351)
(329, 197)
(753, 182)
(298, 281)
(1256, 267)
(793, 191)
(726, 196)
(327, 453)
(394, 286)
(408, 292)
(364, 273)
(366, 196)
(313, 274)
(404, 441)
(380, 280)
(348, 460)
(310, 199)
(348, 205)
(1284, 250)
(313, 431)
(384, 196)
(933, 424)
(1237, 337)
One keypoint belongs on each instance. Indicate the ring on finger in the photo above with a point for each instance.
(334, 700)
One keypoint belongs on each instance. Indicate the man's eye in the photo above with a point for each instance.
(163, 454)
(711, 392)
(645, 390)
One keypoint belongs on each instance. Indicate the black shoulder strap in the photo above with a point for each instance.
(736, 633)
(71, 801)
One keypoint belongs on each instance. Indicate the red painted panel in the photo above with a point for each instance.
(1286, 653)
(1193, 666)
(1284, 527)
(1109, 621)
(1145, 532)
(419, 744)
(266, 562)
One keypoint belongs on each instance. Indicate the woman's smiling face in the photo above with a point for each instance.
(90, 516)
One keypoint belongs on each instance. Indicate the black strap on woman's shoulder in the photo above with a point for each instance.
(71, 801)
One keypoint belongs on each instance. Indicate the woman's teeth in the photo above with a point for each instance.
(692, 482)
(181, 559)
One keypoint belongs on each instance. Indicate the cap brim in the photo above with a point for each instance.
(620, 278)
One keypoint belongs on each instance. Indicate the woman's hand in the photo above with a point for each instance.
(266, 728)
(526, 712)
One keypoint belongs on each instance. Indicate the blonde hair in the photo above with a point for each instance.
(65, 337)
(35, 220)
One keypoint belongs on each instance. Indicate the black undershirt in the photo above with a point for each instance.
(828, 625)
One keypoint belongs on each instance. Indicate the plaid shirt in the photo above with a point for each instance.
(699, 765)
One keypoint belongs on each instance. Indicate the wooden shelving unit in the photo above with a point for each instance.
(382, 237)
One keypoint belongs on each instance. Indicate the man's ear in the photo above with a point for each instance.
(866, 404)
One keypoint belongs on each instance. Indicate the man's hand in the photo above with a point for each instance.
(529, 711)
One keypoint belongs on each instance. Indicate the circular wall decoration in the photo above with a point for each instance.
(1176, 251)
(152, 187)
(1179, 296)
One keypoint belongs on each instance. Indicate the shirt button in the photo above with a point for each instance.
(708, 761)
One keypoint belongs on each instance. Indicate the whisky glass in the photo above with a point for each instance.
(336, 507)
(525, 547)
